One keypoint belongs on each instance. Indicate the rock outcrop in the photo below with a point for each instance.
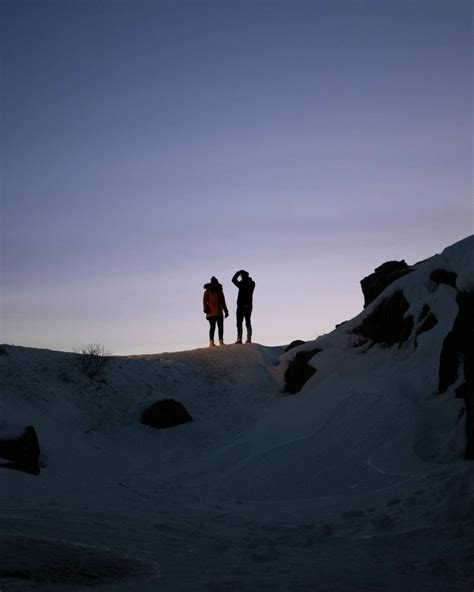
(384, 275)
(442, 276)
(299, 371)
(387, 324)
(458, 352)
(295, 343)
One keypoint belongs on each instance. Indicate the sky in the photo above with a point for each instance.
(147, 145)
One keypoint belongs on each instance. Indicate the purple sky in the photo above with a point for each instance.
(149, 145)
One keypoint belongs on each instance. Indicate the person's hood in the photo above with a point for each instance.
(213, 287)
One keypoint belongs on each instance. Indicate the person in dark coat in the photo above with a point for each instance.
(215, 308)
(246, 286)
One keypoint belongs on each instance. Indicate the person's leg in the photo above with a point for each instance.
(212, 328)
(248, 324)
(240, 318)
(220, 328)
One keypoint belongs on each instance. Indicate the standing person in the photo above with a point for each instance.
(246, 287)
(215, 308)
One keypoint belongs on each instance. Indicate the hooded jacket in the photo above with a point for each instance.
(246, 287)
(214, 300)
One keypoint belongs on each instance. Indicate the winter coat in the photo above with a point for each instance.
(214, 301)
(246, 287)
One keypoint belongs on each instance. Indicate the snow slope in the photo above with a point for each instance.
(355, 483)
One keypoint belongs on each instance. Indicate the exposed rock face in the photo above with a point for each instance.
(460, 340)
(375, 283)
(166, 413)
(442, 276)
(387, 324)
(457, 346)
(299, 371)
(448, 362)
(469, 402)
(23, 452)
(293, 344)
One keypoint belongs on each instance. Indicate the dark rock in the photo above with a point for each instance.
(459, 341)
(384, 275)
(442, 276)
(166, 413)
(458, 346)
(469, 397)
(448, 362)
(23, 452)
(469, 402)
(293, 344)
(387, 324)
(299, 371)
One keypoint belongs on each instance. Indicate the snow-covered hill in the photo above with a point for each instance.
(356, 482)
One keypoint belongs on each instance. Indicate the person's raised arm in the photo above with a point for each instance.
(235, 280)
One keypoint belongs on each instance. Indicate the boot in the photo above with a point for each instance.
(239, 340)
(221, 342)
(249, 339)
(211, 343)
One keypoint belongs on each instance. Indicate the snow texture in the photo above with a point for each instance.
(355, 483)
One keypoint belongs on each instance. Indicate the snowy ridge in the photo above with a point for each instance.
(356, 482)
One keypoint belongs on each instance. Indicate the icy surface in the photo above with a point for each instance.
(356, 483)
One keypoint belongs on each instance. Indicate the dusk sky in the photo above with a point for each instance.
(148, 145)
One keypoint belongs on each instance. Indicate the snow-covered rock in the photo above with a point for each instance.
(165, 413)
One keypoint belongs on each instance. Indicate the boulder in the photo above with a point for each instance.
(22, 451)
(458, 342)
(165, 413)
(448, 362)
(458, 348)
(442, 276)
(387, 324)
(469, 399)
(458, 352)
(469, 402)
(299, 371)
(375, 283)
(293, 344)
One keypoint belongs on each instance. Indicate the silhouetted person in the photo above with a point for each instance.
(215, 308)
(246, 287)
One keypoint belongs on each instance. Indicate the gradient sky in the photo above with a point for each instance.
(149, 145)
